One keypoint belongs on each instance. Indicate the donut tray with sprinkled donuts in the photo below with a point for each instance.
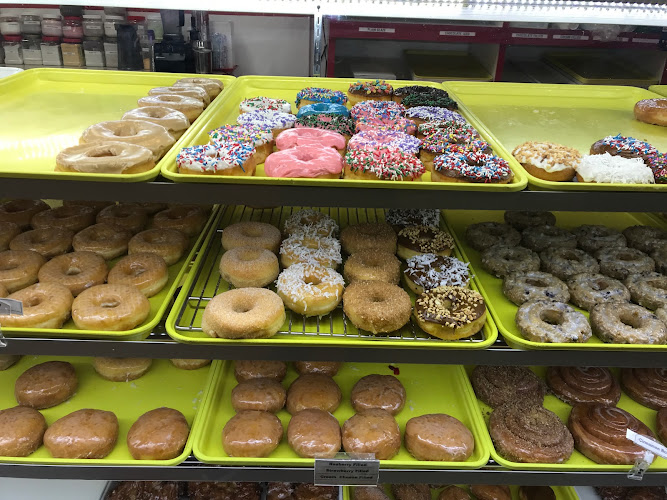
(561, 492)
(455, 398)
(577, 461)
(333, 329)
(503, 310)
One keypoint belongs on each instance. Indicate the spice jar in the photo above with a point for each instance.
(50, 48)
(52, 25)
(73, 27)
(72, 51)
(32, 50)
(31, 25)
(93, 51)
(111, 53)
(9, 25)
(13, 52)
(110, 22)
(92, 25)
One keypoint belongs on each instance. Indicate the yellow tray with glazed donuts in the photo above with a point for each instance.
(562, 492)
(572, 115)
(159, 303)
(46, 109)
(334, 329)
(501, 308)
(421, 382)
(227, 110)
(577, 461)
(128, 400)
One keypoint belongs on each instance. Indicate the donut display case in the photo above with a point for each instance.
(561, 493)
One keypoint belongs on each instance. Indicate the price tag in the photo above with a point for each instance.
(647, 443)
(571, 37)
(11, 306)
(530, 35)
(346, 470)
(457, 33)
(644, 40)
(377, 30)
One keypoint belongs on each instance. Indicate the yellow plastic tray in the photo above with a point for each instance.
(45, 110)
(573, 115)
(599, 68)
(227, 109)
(562, 492)
(659, 89)
(159, 304)
(502, 309)
(441, 65)
(204, 282)
(128, 400)
(421, 382)
(577, 461)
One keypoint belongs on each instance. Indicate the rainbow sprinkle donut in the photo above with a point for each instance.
(471, 167)
(316, 94)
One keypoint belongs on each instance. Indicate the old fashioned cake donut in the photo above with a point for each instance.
(548, 321)
(377, 307)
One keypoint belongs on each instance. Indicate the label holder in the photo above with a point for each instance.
(347, 469)
(7, 308)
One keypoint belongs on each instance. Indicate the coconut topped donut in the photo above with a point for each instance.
(431, 271)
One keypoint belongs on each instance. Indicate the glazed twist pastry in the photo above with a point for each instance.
(497, 385)
(583, 385)
(661, 424)
(647, 386)
(599, 433)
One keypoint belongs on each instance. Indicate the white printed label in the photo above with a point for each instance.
(11, 306)
(457, 33)
(644, 40)
(571, 37)
(346, 471)
(647, 443)
(377, 30)
(530, 35)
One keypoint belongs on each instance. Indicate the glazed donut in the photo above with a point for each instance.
(574, 385)
(401, 217)
(233, 158)
(547, 160)
(470, 166)
(645, 238)
(378, 391)
(648, 290)
(450, 312)
(129, 216)
(140, 133)
(419, 240)
(189, 106)
(438, 437)
(564, 263)
(313, 390)
(372, 431)
(276, 122)
(484, 235)
(647, 386)
(261, 394)
(329, 368)
(313, 95)
(498, 385)
(170, 244)
(251, 234)
(534, 285)
(592, 238)
(22, 430)
(300, 248)
(317, 162)
(539, 238)
(45, 305)
(146, 271)
(314, 433)
(246, 370)
(21, 212)
(588, 289)
(501, 260)
(195, 92)
(375, 236)
(450, 492)
(524, 431)
(620, 262)
(653, 111)
(661, 424)
(377, 307)
(251, 433)
(188, 219)
(174, 121)
(106, 240)
(48, 242)
(18, 268)
(78, 271)
(309, 289)
(8, 230)
(246, 267)
(411, 492)
(621, 323)
(46, 385)
(3, 294)
(372, 265)
(311, 222)
(110, 308)
(211, 85)
(71, 217)
(599, 433)
(95, 205)
(548, 321)
(523, 219)
(383, 164)
(121, 369)
(244, 313)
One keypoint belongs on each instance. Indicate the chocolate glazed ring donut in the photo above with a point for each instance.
(483, 235)
(647, 386)
(599, 434)
(583, 385)
(566, 262)
(497, 385)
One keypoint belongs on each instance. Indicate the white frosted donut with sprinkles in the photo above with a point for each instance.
(265, 104)
(276, 122)
(217, 159)
(371, 139)
(470, 166)
(261, 138)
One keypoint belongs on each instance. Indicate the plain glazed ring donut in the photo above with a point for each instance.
(169, 244)
(544, 321)
(300, 248)
(21, 212)
(450, 312)
(309, 289)
(524, 219)
(146, 134)
(18, 268)
(534, 285)
(48, 242)
(129, 216)
(8, 230)
(620, 323)
(645, 238)
(189, 106)
(419, 240)
(251, 234)
(377, 236)
(247, 267)
(71, 217)
(106, 240)
(592, 238)
(77, 271)
(210, 85)
(372, 265)
(589, 289)
(45, 305)
(566, 262)
(309, 221)
(174, 121)
(110, 308)
(483, 235)
(501, 260)
(648, 290)
(105, 158)
(188, 219)
(377, 307)
(539, 238)
(621, 262)
(146, 271)
(195, 92)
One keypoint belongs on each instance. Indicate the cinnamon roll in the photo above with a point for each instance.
(453, 493)
(647, 386)
(497, 385)
(599, 433)
(524, 431)
(583, 385)
(661, 424)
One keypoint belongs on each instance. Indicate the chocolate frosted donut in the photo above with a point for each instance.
(583, 385)
(599, 433)
(645, 238)
(524, 219)
(648, 290)
(661, 424)
(592, 238)
(619, 263)
(589, 289)
(544, 321)
(378, 391)
(539, 238)
(523, 431)
(535, 285)
(483, 235)
(501, 260)
(416, 240)
(566, 262)
(647, 386)
(620, 323)
(497, 385)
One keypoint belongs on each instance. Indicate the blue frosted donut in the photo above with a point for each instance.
(323, 108)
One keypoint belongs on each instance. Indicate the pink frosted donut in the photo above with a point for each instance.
(305, 161)
(307, 136)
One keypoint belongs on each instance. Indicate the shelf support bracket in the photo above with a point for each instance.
(317, 43)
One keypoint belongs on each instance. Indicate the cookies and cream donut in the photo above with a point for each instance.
(564, 263)
(377, 307)
(236, 158)
(521, 287)
(483, 235)
(625, 323)
(382, 163)
(583, 385)
(45, 305)
(174, 121)
(427, 271)
(653, 111)
(21, 212)
(501, 260)
(592, 238)
(366, 236)
(372, 265)
(418, 240)
(620, 262)
(589, 289)
(189, 106)
(276, 122)
(212, 86)
(47, 241)
(140, 133)
(547, 160)
(106, 158)
(648, 290)
(549, 321)
(195, 92)
(71, 217)
(309, 289)
(498, 385)
(539, 238)
(264, 104)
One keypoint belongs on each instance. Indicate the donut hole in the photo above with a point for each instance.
(72, 271)
(630, 319)
(552, 317)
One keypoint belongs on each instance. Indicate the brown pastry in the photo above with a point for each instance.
(82, 434)
(611, 492)
(453, 493)
(279, 491)
(154, 490)
(252, 434)
(491, 492)
(647, 493)
(21, 431)
(305, 491)
(262, 394)
(599, 433)
(411, 491)
(8, 360)
(190, 364)
(223, 491)
(661, 424)
(583, 385)
(313, 390)
(536, 493)
(647, 386)
(497, 385)
(314, 433)
(372, 431)
(438, 437)
(46, 385)
(158, 434)
(245, 370)
(324, 367)
(121, 369)
(378, 391)
(369, 493)
(524, 431)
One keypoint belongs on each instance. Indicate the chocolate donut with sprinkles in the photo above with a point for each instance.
(327, 121)
(471, 167)
(659, 166)
(402, 92)
(382, 164)
(374, 138)
(232, 158)
(423, 114)
(626, 147)
(312, 95)
(437, 101)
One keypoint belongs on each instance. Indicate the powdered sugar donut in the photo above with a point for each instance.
(312, 137)
(305, 161)
(265, 104)
(306, 248)
(217, 159)
(614, 169)
(276, 122)
(373, 138)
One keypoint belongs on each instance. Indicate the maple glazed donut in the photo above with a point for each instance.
(174, 121)
(140, 133)
(110, 308)
(310, 289)
(19, 268)
(189, 106)
(71, 217)
(129, 216)
(48, 242)
(653, 111)
(45, 305)
(77, 271)
(211, 85)
(21, 212)
(146, 271)
(188, 219)
(246, 267)
(195, 92)
(170, 244)
(251, 234)
(105, 158)
(372, 265)
(107, 240)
